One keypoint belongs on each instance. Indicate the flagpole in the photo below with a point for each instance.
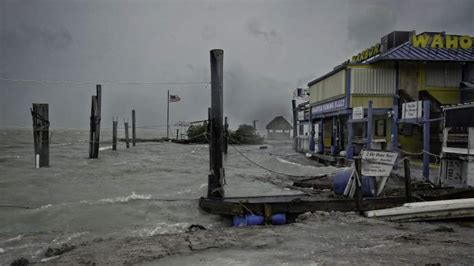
(168, 117)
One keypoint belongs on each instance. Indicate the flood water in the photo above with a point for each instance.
(146, 190)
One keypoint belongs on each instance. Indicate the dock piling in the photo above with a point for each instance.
(40, 115)
(127, 140)
(216, 177)
(94, 133)
(114, 134)
(133, 128)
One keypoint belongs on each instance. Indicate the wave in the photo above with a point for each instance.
(162, 228)
(126, 198)
(120, 199)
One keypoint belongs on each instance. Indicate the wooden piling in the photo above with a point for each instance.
(134, 136)
(358, 180)
(216, 177)
(127, 140)
(94, 137)
(295, 120)
(40, 115)
(114, 135)
(226, 135)
(208, 135)
(406, 164)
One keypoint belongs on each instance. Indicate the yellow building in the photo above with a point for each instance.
(404, 67)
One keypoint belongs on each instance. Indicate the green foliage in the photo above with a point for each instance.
(245, 134)
(196, 133)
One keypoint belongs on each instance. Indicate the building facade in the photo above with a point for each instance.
(361, 103)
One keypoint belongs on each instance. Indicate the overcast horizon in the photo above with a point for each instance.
(270, 48)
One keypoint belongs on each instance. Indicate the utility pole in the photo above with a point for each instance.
(168, 116)
(133, 128)
(216, 177)
(40, 115)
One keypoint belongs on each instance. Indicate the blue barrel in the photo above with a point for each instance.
(340, 179)
(239, 221)
(368, 186)
(249, 219)
(279, 219)
(253, 219)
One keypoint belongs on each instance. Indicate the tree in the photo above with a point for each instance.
(245, 134)
(196, 133)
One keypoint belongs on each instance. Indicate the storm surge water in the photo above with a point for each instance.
(146, 190)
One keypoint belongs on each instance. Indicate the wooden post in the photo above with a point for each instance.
(133, 128)
(358, 167)
(295, 120)
(350, 135)
(92, 131)
(40, 115)
(215, 184)
(394, 135)
(370, 126)
(426, 139)
(177, 133)
(226, 135)
(127, 140)
(406, 164)
(94, 138)
(334, 136)
(114, 135)
(168, 116)
(321, 137)
(208, 135)
(255, 124)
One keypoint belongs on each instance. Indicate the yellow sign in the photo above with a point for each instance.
(440, 41)
(366, 54)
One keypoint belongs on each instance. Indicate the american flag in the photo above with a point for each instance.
(174, 98)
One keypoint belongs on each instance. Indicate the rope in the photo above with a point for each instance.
(261, 166)
(104, 82)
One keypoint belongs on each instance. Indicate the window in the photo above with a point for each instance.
(380, 127)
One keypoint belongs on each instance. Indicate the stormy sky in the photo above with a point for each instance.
(270, 48)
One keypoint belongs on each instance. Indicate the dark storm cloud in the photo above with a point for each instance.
(255, 28)
(31, 35)
(375, 19)
(270, 48)
(251, 97)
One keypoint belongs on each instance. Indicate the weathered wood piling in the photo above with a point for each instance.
(216, 177)
(127, 140)
(94, 136)
(134, 136)
(40, 115)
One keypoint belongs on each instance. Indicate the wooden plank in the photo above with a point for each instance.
(424, 207)
(293, 204)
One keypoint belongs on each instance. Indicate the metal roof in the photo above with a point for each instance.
(407, 52)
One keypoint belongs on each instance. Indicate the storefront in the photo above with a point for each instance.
(373, 86)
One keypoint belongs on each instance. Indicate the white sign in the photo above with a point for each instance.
(358, 113)
(412, 110)
(378, 163)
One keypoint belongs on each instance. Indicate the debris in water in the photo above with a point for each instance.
(20, 262)
(50, 252)
(195, 227)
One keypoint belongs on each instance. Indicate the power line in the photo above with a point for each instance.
(104, 82)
